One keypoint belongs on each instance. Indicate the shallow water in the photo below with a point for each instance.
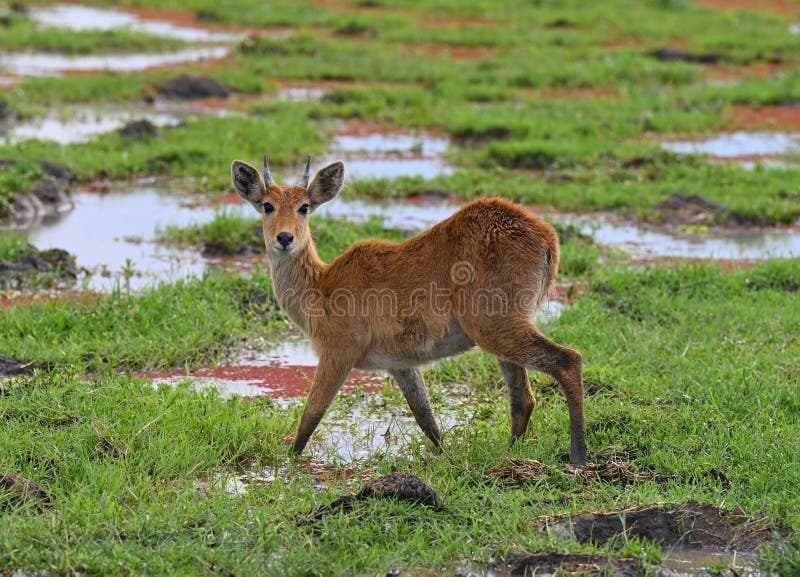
(641, 241)
(112, 233)
(77, 17)
(391, 155)
(41, 64)
(736, 144)
(80, 125)
(124, 222)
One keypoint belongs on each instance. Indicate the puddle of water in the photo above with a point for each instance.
(794, 28)
(76, 17)
(301, 94)
(737, 144)
(694, 562)
(82, 124)
(643, 242)
(40, 64)
(112, 233)
(391, 155)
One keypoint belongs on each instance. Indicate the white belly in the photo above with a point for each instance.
(454, 343)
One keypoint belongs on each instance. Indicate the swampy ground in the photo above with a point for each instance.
(154, 385)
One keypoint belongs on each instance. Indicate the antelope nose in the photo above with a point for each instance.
(285, 239)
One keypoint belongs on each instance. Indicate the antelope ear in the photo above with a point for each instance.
(327, 184)
(248, 183)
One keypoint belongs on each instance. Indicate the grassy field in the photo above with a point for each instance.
(690, 368)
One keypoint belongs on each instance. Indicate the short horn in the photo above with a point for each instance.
(306, 174)
(267, 175)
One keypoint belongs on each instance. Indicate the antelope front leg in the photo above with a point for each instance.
(412, 384)
(328, 379)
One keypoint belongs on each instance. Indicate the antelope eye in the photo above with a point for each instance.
(304, 208)
(268, 208)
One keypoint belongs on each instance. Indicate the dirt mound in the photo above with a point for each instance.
(32, 266)
(18, 490)
(694, 209)
(671, 55)
(6, 112)
(691, 524)
(10, 367)
(49, 196)
(138, 130)
(567, 564)
(399, 486)
(185, 87)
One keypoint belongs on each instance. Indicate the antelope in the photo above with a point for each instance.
(476, 278)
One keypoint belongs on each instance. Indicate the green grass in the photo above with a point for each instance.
(185, 324)
(698, 374)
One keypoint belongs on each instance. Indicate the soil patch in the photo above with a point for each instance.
(138, 130)
(694, 209)
(6, 112)
(32, 266)
(675, 55)
(691, 524)
(186, 87)
(10, 367)
(49, 196)
(784, 117)
(566, 564)
(787, 7)
(398, 486)
(18, 490)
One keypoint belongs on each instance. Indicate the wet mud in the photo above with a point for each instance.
(49, 197)
(16, 490)
(139, 130)
(187, 87)
(674, 55)
(10, 367)
(397, 486)
(689, 524)
(51, 267)
(693, 209)
(550, 564)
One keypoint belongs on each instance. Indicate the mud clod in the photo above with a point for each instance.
(49, 196)
(399, 486)
(546, 564)
(18, 490)
(671, 55)
(694, 209)
(138, 130)
(10, 367)
(32, 266)
(186, 87)
(690, 524)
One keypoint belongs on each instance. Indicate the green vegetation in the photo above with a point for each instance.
(690, 369)
(673, 392)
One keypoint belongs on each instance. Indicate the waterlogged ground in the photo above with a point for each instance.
(153, 386)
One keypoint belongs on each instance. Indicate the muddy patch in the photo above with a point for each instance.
(16, 490)
(187, 87)
(674, 55)
(49, 197)
(693, 209)
(31, 267)
(138, 130)
(689, 524)
(398, 486)
(10, 367)
(551, 564)
(781, 117)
